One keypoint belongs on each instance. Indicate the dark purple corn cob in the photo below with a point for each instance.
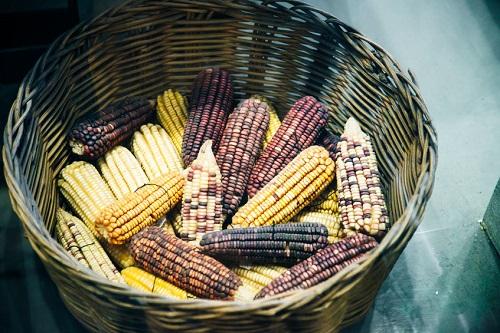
(298, 131)
(321, 266)
(328, 140)
(278, 244)
(96, 135)
(180, 263)
(210, 104)
(239, 148)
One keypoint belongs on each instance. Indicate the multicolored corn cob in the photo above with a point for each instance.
(179, 263)
(171, 110)
(324, 210)
(296, 186)
(202, 199)
(155, 151)
(239, 149)
(361, 201)
(118, 222)
(122, 171)
(211, 103)
(77, 239)
(257, 277)
(328, 140)
(142, 280)
(96, 135)
(320, 267)
(274, 120)
(299, 130)
(278, 244)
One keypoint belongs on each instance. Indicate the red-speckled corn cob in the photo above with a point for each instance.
(299, 130)
(321, 266)
(202, 199)
(361, 201)
(328, 140)
(96, 135)
(239, 149)
(277, 244)
(172, 113)
(179, 263)
(296, 186)
(210, 104)
(118, 222)
(274, 120)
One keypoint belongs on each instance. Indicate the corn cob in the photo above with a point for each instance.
(155, 151)
(239, 149)
(299, 130)
(166, 225)
(211, 102)
(324, 210)
(119, 254)
(328, 140)
(274, 120)
(142, 280)
(122, 171)
(182, 265)
(175, 218)
(77, 239)
(172, 114)
(126, 217)
(321, 266)
(361, 201)
(202, 198)
(277, 244)
(296, 186)
(96, 135)
(257, 277)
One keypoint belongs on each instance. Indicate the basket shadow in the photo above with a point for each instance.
(487, 18)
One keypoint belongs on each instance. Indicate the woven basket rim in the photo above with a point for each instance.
(39, 237)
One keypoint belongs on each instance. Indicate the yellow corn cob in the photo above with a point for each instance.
(142, 280)
(255, 278)
(155, 151)
(122, 171)
(361, 201)
(119, 254)
(77, 239)
(296, 186)
(324, 210)
(126, 217)
(274, 120)
(202, 199)
(85, 190)
(172, 114)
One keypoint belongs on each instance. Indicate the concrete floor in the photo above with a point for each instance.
(447, 279)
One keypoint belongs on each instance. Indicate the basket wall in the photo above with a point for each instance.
(279, 49)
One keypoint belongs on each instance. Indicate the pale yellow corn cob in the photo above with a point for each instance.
(255, 278)
(155, 151)
(172, 114)
(122, 171)
(77, 239)
(274, 120)
(142, 280)
(296, 186)
(119, 254)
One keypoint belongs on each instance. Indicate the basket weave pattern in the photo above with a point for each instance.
(280, 49)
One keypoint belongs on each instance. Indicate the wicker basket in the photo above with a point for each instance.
(281, 49)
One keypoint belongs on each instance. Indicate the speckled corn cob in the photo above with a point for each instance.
(277, 244)
(142, 280)
(296, 186)
(171, 109)
(274, 120)
(239, 149)
(320, 267)
(122, 171)
(324, 210)
(96, 135)
(299, 130)
(118, 222)
(361, 201)
(211, 103)
(181, 264)
(202, 198)
(77, 239)
(328, 140)
(155, 151)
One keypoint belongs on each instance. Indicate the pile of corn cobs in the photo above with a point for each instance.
(217, 202)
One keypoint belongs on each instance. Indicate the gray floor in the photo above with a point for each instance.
(448, 278)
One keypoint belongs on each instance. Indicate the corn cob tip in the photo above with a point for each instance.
(352, 127)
